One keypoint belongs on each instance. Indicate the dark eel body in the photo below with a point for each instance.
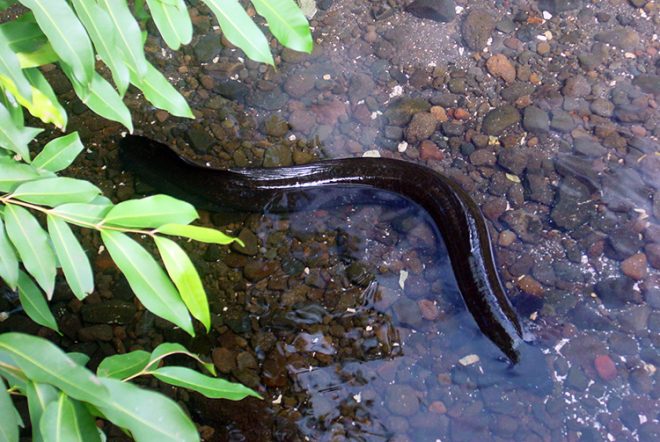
(458, 218)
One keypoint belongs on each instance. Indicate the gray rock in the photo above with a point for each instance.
(536, 120)
(622, 38)
(250, 241)
(421, 127)
(278, 156)
(499, 119)
(257, 270)
(557, 6)
(573, 206)
(616, 292)
(576, 86)
(276, 126)
(200, 140)
(207, 47)
(361, 87)
(477, 28)
(602, 107)
(562, 121)
(402, 400)
(401, 111)
(589, 147)
(516, 90)
(231, 89)
(648, 83)
(438, 10)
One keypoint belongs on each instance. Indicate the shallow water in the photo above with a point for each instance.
(314, 315)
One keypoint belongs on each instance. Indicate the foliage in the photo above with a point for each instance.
(64, 398)
(72, 34)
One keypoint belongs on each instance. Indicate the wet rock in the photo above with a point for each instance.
(653, 254)
(483, 157)
(250, 241)
(421, 127)
(605, 367)
(512, 160)
(573, 206)
(499, 119)
(576, 86)
(438, 10)
(537, 188)
(616, 292)
(589, 147)
(297, 85)
(588, 317)
(246, 361)
(562, 121)
(271, 100)
(635, 266)
(500, 66)
(536, 120)
(224, 360)
(557, 6)
(200, 140)
(516, 90)
(401, 400)
(428, 309)
(530, 286)
(207, 47)
(602, 107)
(576, 379)
(648, 83)
(400, 112)
(109, 312)
(258, 270)
(526, 225)
(428, 150)
(277, 156)
(622, 38)
(276, 126)
(622, 243)
(361, 86)
(635, 319)
(100, 332)
(359, 274)
(302, 120)
(572, 166)
(407, 312)
(231, 89)
(477, 28)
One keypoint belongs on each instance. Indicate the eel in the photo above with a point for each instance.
(458, 218)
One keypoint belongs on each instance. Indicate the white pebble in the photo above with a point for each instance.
(547, 15)
(468, 360)
(402, 146)
(371, 154)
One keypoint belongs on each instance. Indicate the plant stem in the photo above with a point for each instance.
(8, 200)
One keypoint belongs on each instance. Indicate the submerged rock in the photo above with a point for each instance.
(477, 27)
(438, 10)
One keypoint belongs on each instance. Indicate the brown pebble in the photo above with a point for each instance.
(500, 66)
(605, 367)
(530, 286)
(428, 150)
(439, 113)
(543, 48)
(653, 253)
(162, 115)
(429, 309)
(438, 407)
(461, 114)
(506, 238)
(635, 266)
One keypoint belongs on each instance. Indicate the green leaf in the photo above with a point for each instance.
(10, 371)
(74, 262)
(12, 173)
(43, 362)
(102, 98)
(66, 35)
(33, 246)
(124, 365)
(171, 348)
(99, 26)
(82, 214)
(39, 105)
(210, 387)
(14, 109)
(128, 38)
(11, 68)
(23, 33)
(185, 277)
(55, 191)
(147, 415)
(62, 420)
(240, 30)
(198, 233)
(173, 21)
(44, 54)
(34, 304)
(45, 104)
(79, 358)
(9, 420)
(15, 138)
(59, 153)
(161, 93)
(38, 396)
(8, 260)
(287, 23)
(152, 211)
(149, 282)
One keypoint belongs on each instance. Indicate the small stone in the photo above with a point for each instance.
(278, 156)
(200, 140)
(602, 107)
(557, 6)
(250, 241)
(437, 10)
(162, 115)
(111, 311)
(589, 148)
(401, 399)
(635, 266)
(276, 126)
(499, 119)
(622, 38)
(429, 309)
(439, 113)
(428, 150)
(468, 360)
(421, 127)
(576, 86)
(224, 360)
(536, 120)
(257, 270)
(605, 367)
(653, 254)
(99, 332)
(500, 66)
(530, 286)
(297, 85)
(483, 157)
(506, 238)
(438, 407)
(477, 28)
(360, 87)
